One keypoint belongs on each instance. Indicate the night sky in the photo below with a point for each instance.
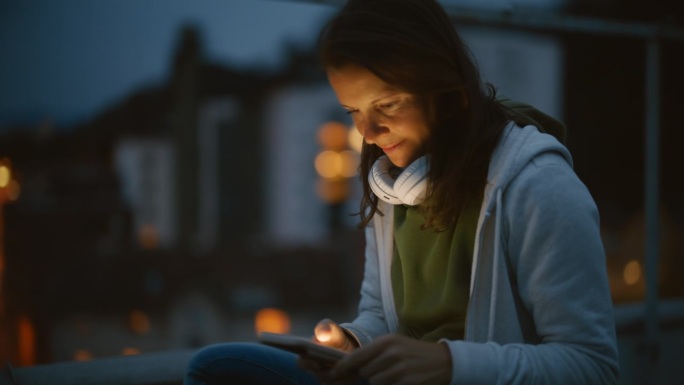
(67, 60)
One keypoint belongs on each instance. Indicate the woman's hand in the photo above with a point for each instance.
(395, 360)
(330, 334)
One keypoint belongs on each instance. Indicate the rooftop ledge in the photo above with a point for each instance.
(163, 368)
(168, 368)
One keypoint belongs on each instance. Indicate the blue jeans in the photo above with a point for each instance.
(245, 363)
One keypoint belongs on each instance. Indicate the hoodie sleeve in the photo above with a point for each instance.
(551, 239)
(370, 322)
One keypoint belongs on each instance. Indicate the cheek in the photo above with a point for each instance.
(417, 127)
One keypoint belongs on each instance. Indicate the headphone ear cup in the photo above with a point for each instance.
(411, 185)
(381, 182)
(409, 188)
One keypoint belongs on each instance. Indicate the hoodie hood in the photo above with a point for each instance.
(517, 147)
(526, 115)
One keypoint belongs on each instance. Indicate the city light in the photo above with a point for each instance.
(83, 355)
(333, 136)
(27, 341)
(130, 351)
(9, 188)
(338, 160)
(139, 322)
(632, 272)
(271, 320)
(337, 164)
(328, 164)
(5, 176)
(148, 237)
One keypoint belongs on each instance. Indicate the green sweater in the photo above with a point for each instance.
(431, 274)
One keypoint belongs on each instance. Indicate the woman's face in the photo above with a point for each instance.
(387, 117)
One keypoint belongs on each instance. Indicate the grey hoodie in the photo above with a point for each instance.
(540, 310)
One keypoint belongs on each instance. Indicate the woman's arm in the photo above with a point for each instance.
(370, 322)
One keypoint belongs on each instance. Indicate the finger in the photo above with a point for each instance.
(325, 332)
(329, 333)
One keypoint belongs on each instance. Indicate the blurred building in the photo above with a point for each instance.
(160, 198)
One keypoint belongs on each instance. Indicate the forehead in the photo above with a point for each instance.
(356, 84)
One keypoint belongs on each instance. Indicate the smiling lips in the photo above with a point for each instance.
(390, 148)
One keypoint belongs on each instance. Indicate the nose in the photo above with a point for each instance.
(370, 129)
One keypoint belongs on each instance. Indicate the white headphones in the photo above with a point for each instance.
(409, 188)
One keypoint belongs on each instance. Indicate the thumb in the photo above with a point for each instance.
(329, 333)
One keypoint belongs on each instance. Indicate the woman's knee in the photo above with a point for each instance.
(250, 362)
(212, 354)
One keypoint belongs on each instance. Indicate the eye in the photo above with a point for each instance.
(386, 106)
(351, 111)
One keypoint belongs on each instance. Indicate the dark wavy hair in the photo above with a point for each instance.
(413, 46)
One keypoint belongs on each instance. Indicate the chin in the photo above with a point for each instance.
(402, 162)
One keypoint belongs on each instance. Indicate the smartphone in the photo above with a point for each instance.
(303, 346)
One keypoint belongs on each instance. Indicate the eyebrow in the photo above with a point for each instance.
(376, 100)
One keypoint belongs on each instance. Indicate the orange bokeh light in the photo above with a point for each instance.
(332, 190)
(139, 322)
(27, 341)
(337, 164)
(130, 351)
(148, 237)
(271, 320)
(5, 176)
(333, 136)
(631, 272)
(83, 355)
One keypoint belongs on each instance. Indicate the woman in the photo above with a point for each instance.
(484, 263)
